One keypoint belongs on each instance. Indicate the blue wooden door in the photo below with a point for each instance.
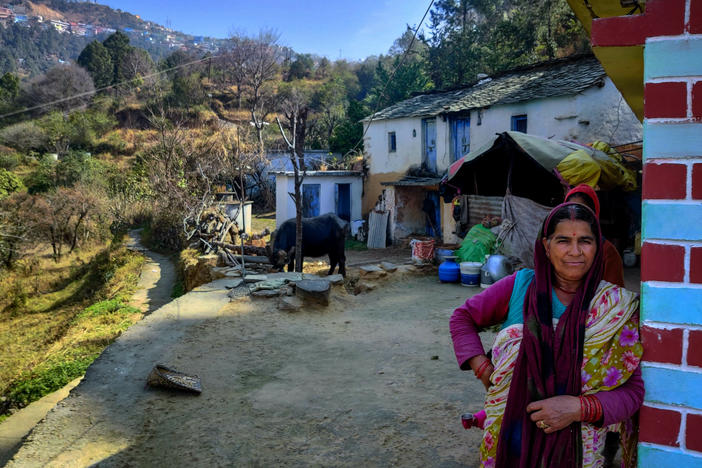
(430, 143)
(343, 201)
(433, 219)
(310, 200)
(460, 138)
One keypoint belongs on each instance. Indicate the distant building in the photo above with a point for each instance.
(323, 192)
(61, 26)
(6, 16)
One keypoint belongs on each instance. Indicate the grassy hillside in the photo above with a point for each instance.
(56, 318)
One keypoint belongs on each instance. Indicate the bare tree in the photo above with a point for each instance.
(241, 159)
(13, 229)
(64, 87)
(233, 62)
(295, 110)
(135, 66)
(261, 67)
(59, 216)
(180, 169)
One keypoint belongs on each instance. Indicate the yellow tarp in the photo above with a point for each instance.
(579, 168)
(601, 169)
(614, 174)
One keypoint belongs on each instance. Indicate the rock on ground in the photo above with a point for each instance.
(313, 291)
(371, 272)
(289, 303)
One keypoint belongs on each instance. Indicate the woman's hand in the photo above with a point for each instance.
(555, 413)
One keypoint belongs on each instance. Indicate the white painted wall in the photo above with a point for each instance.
(409, 147)
(285, 206)
(596, 114)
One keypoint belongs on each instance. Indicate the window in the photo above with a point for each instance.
(392, 142)
(519, 123)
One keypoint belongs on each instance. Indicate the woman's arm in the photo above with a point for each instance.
(622, 402)
(487, 308)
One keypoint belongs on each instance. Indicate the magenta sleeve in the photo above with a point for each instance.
(622, 402)
(482, 310)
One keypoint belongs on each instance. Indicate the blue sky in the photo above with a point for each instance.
(351, 29)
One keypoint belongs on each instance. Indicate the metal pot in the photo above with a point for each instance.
(495, 268)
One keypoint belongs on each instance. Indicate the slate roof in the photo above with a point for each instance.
(409, 181)
(561, 77)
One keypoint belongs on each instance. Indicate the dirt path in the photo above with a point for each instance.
(158, 275)
(369, 381)
(153, 290)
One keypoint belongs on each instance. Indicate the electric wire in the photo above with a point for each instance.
(387, 83)
(160, 72)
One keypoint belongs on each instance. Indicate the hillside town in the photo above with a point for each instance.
(151, 31)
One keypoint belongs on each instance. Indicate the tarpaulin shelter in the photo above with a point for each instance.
(511, 162)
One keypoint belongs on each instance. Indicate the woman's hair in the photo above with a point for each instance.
(584, 197)
(572, 212)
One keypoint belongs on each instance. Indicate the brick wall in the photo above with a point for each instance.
(671, 259)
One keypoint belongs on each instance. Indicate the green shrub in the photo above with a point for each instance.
(23, 136)
(10, 161)
(47, 380)
(9, 183)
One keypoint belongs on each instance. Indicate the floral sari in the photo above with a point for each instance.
(611, 353)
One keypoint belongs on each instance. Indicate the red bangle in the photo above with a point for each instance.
(481, 368)
(590, 409)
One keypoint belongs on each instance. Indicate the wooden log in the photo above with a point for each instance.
(248, 249)
(253, 259)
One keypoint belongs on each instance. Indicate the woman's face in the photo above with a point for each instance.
(571, 249)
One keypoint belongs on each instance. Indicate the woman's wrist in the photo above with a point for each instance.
(478, 364)
(590, 409)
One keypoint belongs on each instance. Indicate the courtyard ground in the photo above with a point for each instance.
(369, 381)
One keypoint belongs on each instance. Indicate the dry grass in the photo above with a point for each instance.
(56, 318)
(261, 221)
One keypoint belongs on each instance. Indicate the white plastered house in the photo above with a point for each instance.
(567, 99)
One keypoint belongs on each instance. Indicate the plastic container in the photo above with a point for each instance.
(470, 273)
(449, 271)
(441, 254)
(422, 251)
(629, 258)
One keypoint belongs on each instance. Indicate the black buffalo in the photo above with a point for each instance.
(321, 235)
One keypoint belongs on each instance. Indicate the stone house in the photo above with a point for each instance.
(568, 99)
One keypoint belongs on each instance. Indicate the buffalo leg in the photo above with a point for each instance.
(332, 264)
(342, 265)
(291, 260)
(342, 257)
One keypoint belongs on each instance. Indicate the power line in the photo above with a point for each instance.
(392, 75)
(104, 88)
(160, 72)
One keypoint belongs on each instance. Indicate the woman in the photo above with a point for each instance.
(557, 383)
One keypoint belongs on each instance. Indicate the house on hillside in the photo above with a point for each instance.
(6, 16)
(411, 144)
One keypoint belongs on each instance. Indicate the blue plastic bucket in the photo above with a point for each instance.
(470, 280)
(470, 273)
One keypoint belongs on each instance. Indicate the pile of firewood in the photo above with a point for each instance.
(216, 233)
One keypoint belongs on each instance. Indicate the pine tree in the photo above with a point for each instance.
(97, 60)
